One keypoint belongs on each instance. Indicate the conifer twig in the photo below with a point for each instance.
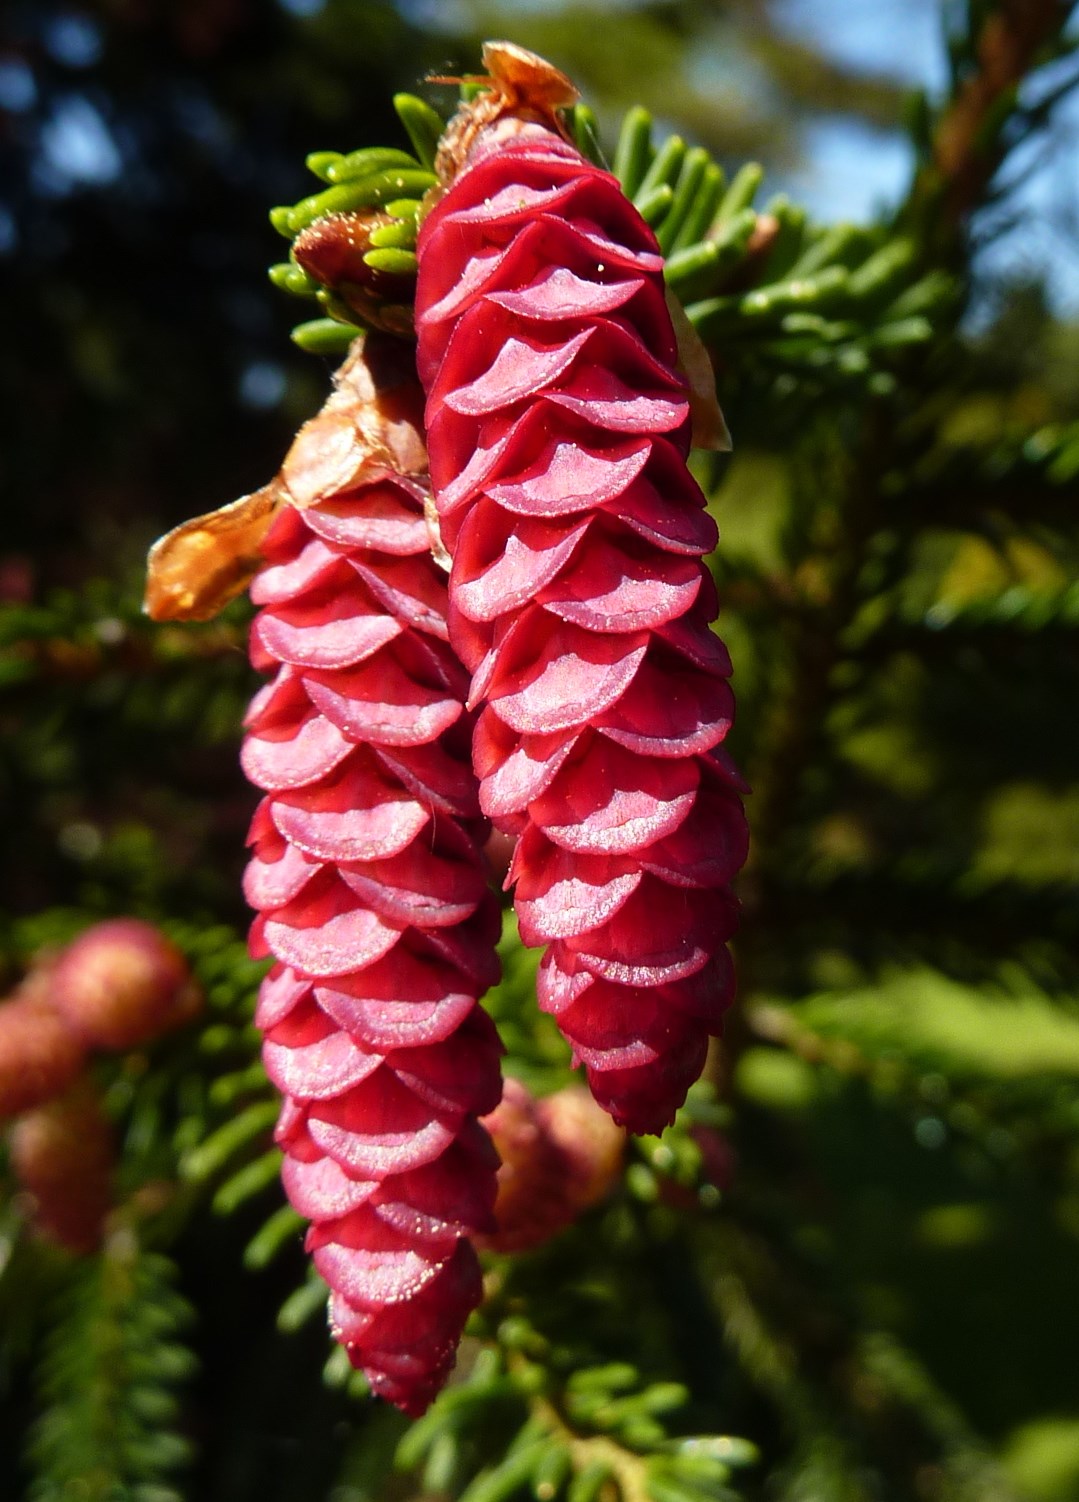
(1006, 49)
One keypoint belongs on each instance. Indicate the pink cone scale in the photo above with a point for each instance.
(558, 428)
(372, 898)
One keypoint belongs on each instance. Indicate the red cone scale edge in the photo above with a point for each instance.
(366, 868)
(558, 428)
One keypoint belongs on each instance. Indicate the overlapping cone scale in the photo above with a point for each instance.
(558, 429)
(367, 875)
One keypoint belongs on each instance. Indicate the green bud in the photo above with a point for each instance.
(504, 1480)
(586, 134)
(282, 1227)
(667, 1482)
(616, 1376)
(641, 1434)
(588, 1406)
(731, 1449)
(365, 193)
(641, 1181)
(371, 159)
(731, 237)
(665, 1397)
(338, 1368)
(700, 1468)
(634, 151)
(535, 1427)
(663, 1487)
(392, 262)
(420, 1436)
(291, 278)
(552, 1473)
(703, 209)
(664, 170)
(813, 326)
(301, 1306)
(690, 179)
(531, 1379)
(324, 336)
(335, 306)
(787, 244)
(442, 1461)
(401, 235)
(741, 193)
(423, 124)
(404, 208)
(213, 1153)
(884, 272)
(927, 295)
(836, 244)
(652, 206)
(902, 332)
(228, 1088)
(852, 362)
(721, 314)
(251, 1180)
(515, 1333)
(589, 1482)
(318, 162)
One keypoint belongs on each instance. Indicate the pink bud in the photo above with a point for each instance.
(62, 1156)
(40, 1056)
(560, 1156)
(122, 983)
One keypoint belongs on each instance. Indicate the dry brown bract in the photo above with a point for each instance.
(518, 84)
(370, 423)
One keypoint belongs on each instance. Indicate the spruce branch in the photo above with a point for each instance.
(931, 913)
(998, 49)
(107, 1382)
(1024, 479)
(1022, 1114)
(1008, 43)
(857, 1406)
(814, 647)
(779, 296)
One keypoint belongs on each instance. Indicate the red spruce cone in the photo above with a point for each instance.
(560, 1156)
(558, 430)
(121, 983)
(368, 875)
(62, 1155)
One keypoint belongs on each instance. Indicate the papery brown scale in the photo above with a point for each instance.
(558, 427)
